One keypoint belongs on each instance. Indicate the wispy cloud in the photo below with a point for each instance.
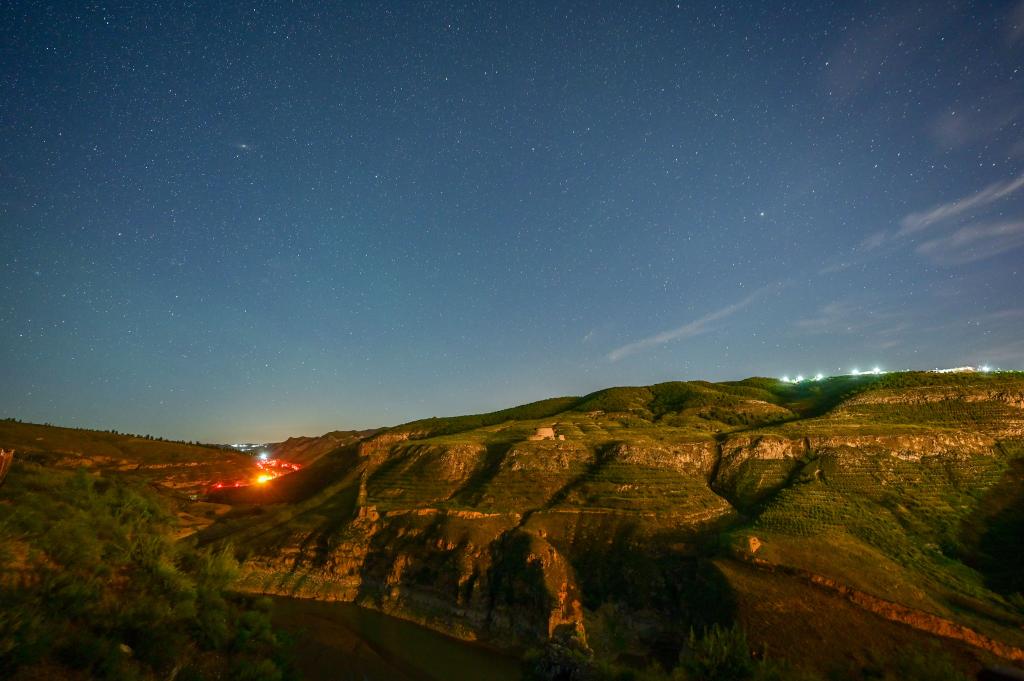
(878, 326)
(832, 317)
(1006, 313)
(993, 114)
(915, 222)
(890, 38)
(688, 330)
(1015, 24)
(891, 336)
(873, 241)
(975, 242)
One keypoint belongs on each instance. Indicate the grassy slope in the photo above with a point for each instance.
(927, 534)
(939, 535)
(909, 531)
(156, 460)
(36, 437)
(306, 450)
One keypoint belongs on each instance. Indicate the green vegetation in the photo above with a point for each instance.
(180, 469)
(703, 407)
(47, 443)
(456, 424)
(634, 502)
(627, 518)
(718, 654)
(93, 584)
(79, 434)
(725, 654)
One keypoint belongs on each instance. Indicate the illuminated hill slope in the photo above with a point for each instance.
(841, 519)
(180, 471)
(173, 465)
(305, 450)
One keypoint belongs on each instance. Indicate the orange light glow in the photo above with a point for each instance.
(266, 470)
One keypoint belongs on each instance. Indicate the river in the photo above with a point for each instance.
(343, 642)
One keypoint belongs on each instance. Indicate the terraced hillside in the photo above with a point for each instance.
(838, 521)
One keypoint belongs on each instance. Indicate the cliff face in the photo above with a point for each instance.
(612, 530)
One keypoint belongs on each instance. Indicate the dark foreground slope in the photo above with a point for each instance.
(94, 585)
(840, 522)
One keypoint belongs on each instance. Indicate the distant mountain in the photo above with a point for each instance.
(182, 472)
(183, 467)
(839, 522)
(306, 450)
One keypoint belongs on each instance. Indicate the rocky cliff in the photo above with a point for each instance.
(617, 530)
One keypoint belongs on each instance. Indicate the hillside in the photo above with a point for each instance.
(305, 450)
(838, 522)
(179, 471)
(173, 465)
(93, 585)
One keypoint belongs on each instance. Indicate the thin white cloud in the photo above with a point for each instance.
(874, 240)
(968, 244)
(689, 330)
(915, 222)
(834, 267)
(975, 242)
(864, 251)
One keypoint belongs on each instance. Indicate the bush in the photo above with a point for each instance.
(724, 654)
(101, 587)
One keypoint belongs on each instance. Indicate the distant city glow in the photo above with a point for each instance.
(818, 377)
(247, 446)
(264, 456)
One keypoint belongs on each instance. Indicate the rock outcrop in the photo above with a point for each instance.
(513, 532)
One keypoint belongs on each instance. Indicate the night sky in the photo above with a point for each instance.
(247, 221)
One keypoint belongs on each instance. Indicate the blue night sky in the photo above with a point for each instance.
(247, 221)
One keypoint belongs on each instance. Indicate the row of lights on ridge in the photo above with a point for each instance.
(877, 372)
(818, 377)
